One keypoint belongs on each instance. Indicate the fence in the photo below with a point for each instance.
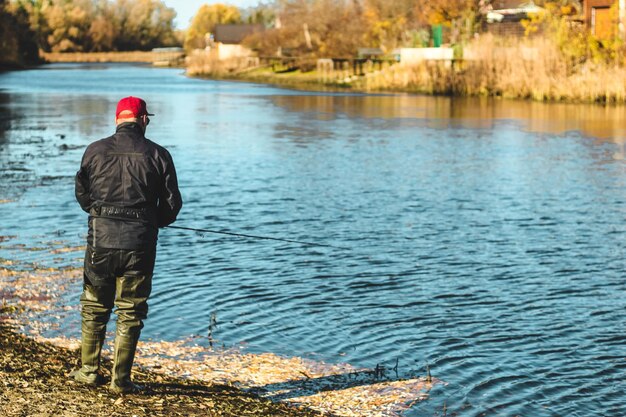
(344, 69)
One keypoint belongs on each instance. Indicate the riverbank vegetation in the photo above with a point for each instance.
(89, 25)
(17, 41)
(553, 55)
(123, 56)
(527, 69)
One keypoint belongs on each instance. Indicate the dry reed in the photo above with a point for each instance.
(528, 68)
(131, 56)
(206, 64)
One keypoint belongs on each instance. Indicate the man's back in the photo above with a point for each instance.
(128, 185)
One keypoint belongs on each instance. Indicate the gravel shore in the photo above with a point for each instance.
(34, 381)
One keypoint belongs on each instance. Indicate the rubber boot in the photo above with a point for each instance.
(123, 358)
(91, 346)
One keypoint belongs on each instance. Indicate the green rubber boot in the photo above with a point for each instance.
(123, 358)
(91, 346)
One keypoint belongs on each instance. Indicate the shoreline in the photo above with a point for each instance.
(35, 379)
(307, 82)
(185, 375)
(157, 59)
(100, 57)
(427, 80)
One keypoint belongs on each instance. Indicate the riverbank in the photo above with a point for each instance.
(598, 85)
(34, 370)
(133, 56)
(529, 69)
(184, 377)
(163, 58)
(35, 381)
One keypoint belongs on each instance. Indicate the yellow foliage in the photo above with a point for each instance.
(205, 20)
(574, 41)
(97, 25)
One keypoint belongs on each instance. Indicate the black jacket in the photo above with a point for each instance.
(128, 186)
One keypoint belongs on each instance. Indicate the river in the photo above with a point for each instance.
(486, 238)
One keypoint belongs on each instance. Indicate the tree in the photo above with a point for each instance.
(143, 24)
(18, 45)
(35, 12)
(205, 20)
(103, 28)
(69, 24)
(320, 28)
(99, 25)
(461, 16)
(261, 14)
(389, 22)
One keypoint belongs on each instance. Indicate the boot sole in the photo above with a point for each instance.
(130, 390)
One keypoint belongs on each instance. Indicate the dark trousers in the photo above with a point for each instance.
(120, 278)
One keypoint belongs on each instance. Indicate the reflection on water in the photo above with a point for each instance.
(481, 113)
(487, 235)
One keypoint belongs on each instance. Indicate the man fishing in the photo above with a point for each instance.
(128, 186)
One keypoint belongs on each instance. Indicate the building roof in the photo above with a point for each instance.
(234, 34)
(506, 4)
(511, 10)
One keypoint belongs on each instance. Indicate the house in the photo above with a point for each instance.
(599, 19)
(504, 17)
(226, 40)
(234, 34)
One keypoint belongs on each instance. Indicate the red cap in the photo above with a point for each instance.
(134, 105)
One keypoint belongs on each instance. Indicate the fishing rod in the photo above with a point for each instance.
(300, 242)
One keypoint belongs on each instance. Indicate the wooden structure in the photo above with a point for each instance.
(330, 70)
(167, 57)
(599, 18)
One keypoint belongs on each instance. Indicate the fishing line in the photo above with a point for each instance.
(300, 242)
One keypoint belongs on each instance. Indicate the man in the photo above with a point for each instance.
(128, 186)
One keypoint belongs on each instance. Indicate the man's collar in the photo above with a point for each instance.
(134, 126)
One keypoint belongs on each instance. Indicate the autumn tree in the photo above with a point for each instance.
(460, 16)
(99, 25)
(103, 28)
(69, 24)
(18, 45)
(205, 20)
(262, 14)
(320, 28)
(35, 12)
(143, 24)
(389, 23)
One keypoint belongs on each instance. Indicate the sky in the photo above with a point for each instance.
(186, 9)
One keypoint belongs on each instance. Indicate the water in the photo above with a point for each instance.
(488, 237)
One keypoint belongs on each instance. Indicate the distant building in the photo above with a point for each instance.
(225, 42)
(599, 19)
(234, 34)
(504, 17)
